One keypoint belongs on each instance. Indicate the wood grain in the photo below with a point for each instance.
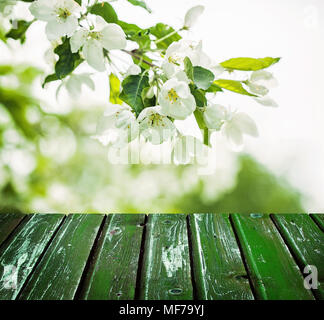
(112, 273)
(166, 271)
(58, 274)
(306, 241)
(218, 268)
(18, 259)
(274, 273)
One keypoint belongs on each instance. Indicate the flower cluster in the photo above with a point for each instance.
(171, 79)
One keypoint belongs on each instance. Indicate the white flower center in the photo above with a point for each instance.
(95, 35)
(156, 120)
(174, 59)
(173, 96)
(63, 13)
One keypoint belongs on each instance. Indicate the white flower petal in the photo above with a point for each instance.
(266, 101)
(43, 10)
(245, 123)
(113, 37)
(93, 53)
(192, 15)
(58, 28)
(233, 134)
(214, 116)
(71, 5)
(75, 82)
(78, 39)
(257, 89)
(134, 70)
(169, 69)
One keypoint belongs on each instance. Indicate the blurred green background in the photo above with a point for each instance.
(49, 163)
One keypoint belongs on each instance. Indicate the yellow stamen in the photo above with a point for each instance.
(63, 13)
(155, 119)
(173, 96)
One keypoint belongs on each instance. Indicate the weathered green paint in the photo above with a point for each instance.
(112, 273)
(58, 275)
(166, 271)
(218, 268)
(8, 222)
(274, 273)
(319, 218)
(19, 257)
(306, 241)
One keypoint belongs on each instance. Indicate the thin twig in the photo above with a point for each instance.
(140, 58)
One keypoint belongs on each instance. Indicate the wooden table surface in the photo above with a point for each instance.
(160, 256)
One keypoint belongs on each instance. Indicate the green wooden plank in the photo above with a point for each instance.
(218, 267)
(274, 273)
(166, 271)
(19, 257)
(112, 273)
(319, 218)
(58, 274)
(306, 241)
(8, 222)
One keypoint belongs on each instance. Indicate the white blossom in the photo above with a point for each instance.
(236, 125)
(6, 6)
(192, 16)
(103, 36)
(117, 127)
(154, 126)
(173, 64)
(61, 16)
(259, 83)
(134, 69)
(76, 81)
(176, 99)
(214, 116)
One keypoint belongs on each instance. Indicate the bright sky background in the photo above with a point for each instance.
(291, 136)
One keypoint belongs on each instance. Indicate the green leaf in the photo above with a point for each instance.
(249, 64)
(19, 31)
(68, 61)
(162, 31)
(199, 96)
(50, 78)
(135, 33)
(188, 68)
(140, 3)
(114, 84)
(233, 85)
(106, 11)
(214, 88)
(78, 1)
(133, 86)
(203, 78)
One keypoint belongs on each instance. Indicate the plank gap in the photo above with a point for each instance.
(315, 219)
(193, 280)
(93, 251)
(23, 221)
(297, 261)
(243, 257)
(140, 261)
(40, 258)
